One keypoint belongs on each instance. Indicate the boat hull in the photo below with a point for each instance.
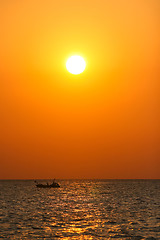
(48, 186)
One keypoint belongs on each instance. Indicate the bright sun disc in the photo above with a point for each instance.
(75, 65)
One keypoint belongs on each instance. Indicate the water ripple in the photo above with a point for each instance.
(90, 209)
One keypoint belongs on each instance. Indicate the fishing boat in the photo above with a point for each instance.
(47, 185)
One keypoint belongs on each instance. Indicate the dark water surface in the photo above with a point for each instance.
(80, 209)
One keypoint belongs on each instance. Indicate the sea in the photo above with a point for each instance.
(80, 209)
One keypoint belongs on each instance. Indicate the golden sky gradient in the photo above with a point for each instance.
(103, 123)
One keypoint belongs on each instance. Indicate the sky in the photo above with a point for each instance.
(103, 123)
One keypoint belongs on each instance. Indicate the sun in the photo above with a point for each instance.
(75, 64)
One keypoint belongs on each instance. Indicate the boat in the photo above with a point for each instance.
(52, 185)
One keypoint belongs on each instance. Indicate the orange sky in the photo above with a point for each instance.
(103, 123)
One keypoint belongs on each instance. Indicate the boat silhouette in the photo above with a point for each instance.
(52, 185)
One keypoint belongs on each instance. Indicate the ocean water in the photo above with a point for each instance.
(80, 209)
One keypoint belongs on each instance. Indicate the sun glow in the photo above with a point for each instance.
(75, 65)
